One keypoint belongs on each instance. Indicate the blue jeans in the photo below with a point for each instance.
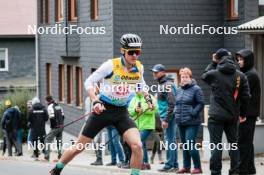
(115, 145)
(170, 137)
(29, 139)
(144, 134)
(188, 135)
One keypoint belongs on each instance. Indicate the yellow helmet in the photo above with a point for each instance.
(7, 103)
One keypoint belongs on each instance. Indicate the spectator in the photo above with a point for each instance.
(189, 104)
(166, 104)
(29, 107)
(157, 135)
(98, 152)
(4, 142)
(115, 147)
(98, 137)
(144, 119)
(245, 60)
(19, 131)
(228, 105)
(37, 118)
(10, 126)
(56, 117)
(127, 152)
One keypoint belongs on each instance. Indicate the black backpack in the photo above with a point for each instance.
(59, 117)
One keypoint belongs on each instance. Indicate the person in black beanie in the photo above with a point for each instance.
(216, 58)
(228, 105)
(245, 59)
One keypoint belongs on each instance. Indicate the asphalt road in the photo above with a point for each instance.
(12, 167)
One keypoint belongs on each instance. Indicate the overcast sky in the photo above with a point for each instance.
(261, 2)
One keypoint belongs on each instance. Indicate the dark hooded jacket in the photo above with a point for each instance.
(189, 104)
(166, 99)
(223, 82)
(253, 81)
(10, 120)
(37, 118)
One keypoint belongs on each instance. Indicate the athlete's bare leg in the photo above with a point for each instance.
(68, 155)
(132, 137)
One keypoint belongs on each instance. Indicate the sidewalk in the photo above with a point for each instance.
(84, 159)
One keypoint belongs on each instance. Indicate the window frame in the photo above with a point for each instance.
(94, 10)
(73, 10)
(79, 86)
(6, 60)
(231, 10)
(59, 10)
(44, 11)
(174, 71)
(61, 86)
(48, 78)
(69, 84)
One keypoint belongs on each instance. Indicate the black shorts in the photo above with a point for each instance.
(113, 116)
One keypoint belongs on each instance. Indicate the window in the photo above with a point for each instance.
(69, 84)
(3, 59)
(44, 11)
(73, 10)
(94, 9)
(61, 82)
(59, 12)
(174, 74)
(48, 78)
(79, 86)
(232, 9)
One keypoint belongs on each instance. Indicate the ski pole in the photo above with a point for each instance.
(60, 127)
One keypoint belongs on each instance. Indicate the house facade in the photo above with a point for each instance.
(17, 46)
(66, 60)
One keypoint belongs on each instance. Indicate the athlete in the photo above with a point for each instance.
(119, 78)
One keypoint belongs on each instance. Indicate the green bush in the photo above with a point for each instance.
(19, 97)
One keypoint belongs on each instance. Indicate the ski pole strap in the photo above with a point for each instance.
(78, 119)
(59, 128)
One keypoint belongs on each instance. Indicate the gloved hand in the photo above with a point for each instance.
(98, 107)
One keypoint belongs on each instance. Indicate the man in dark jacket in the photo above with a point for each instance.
(56, 117)
(10, 125)
(37, 117)
(228, 105)
(166, 104)
(245, 60)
